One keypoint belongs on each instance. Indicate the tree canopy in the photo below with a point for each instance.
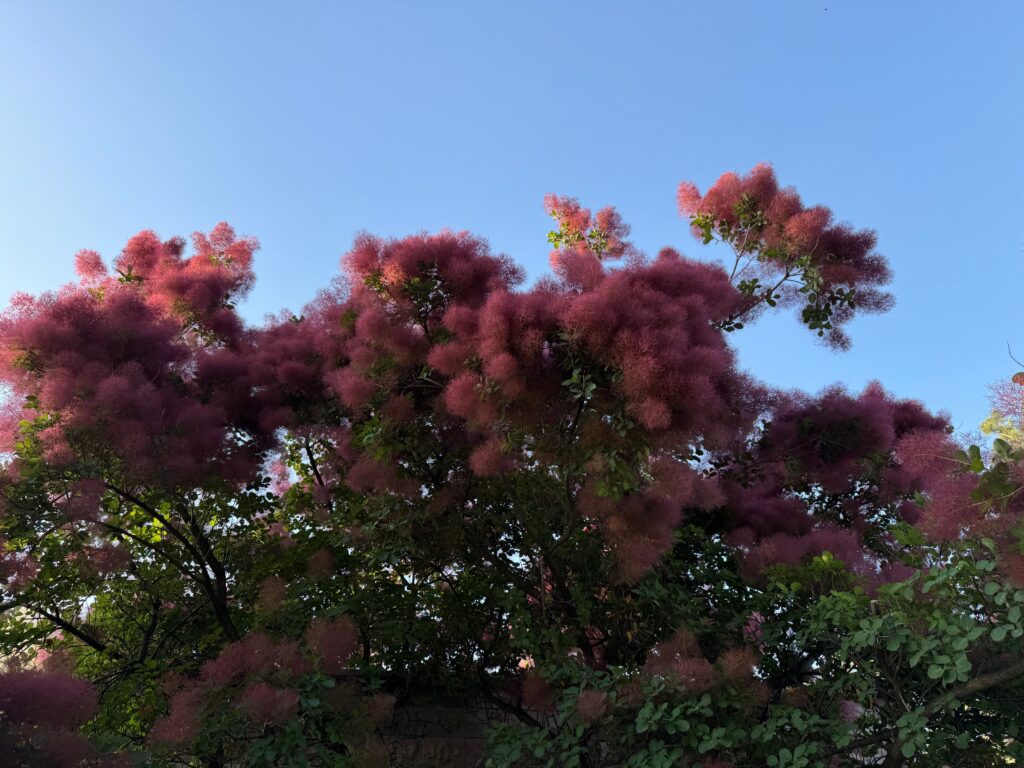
(223, 544)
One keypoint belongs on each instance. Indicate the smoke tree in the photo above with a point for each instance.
(564, 502)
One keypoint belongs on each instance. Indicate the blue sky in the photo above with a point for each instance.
(304, 123)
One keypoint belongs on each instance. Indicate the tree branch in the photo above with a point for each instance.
(975, 686)
(71, 629)
(147, 635)
(158, 517)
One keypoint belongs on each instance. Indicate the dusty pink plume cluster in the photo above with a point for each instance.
(149, 367)
(779, 237)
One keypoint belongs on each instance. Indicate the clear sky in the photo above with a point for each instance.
(303, 123)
